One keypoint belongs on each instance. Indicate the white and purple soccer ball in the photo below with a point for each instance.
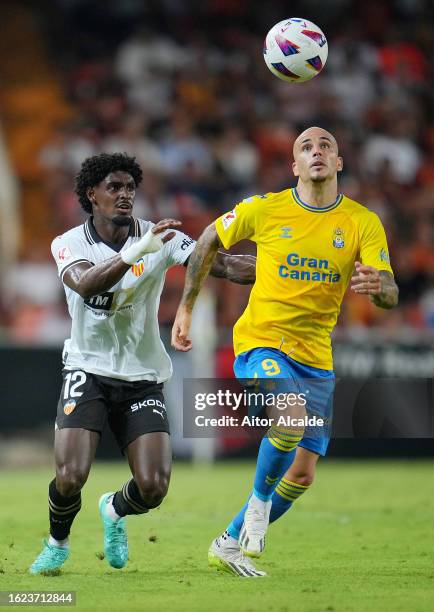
(295, 50)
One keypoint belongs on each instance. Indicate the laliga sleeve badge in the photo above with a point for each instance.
(69, 407)
(64, 254)
(228, 219)
(384, 256)
(338, 238)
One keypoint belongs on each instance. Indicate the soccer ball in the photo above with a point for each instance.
(295, 50)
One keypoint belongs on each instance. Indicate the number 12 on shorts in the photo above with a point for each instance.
(73, 382)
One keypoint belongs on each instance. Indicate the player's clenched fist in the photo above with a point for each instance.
(181, 329)
(366, 280)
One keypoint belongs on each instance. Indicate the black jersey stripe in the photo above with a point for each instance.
(87, 233)
(91, 237)
(137, 232)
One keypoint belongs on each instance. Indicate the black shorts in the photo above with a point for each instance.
(131, 408)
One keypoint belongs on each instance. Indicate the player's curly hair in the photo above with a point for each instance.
(94, 169)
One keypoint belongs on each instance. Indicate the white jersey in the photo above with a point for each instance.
(116, 334)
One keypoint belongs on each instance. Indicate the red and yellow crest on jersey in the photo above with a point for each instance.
(138, 267)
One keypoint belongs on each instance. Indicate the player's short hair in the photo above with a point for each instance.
(94, 169)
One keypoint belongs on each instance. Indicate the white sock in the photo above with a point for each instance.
(60, 543)
(109, 508)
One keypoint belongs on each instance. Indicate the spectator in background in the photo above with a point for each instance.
(185, 155)
(395, 148)
(237, 156)
(131, 136)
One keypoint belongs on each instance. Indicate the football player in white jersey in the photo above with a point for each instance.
(113, 269)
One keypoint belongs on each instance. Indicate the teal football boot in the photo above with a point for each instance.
(50, 559)
(115, 535)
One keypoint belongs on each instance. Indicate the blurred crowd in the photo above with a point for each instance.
(183, 87)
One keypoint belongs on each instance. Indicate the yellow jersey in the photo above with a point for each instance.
(305, 259)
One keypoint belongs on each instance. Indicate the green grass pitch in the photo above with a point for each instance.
(361, 539)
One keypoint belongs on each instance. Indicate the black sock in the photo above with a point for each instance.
(62, 511)
(129, 500)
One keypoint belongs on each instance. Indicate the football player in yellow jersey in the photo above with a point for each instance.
(312, 242)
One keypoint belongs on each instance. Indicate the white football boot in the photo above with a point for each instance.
(225, 555)
(256, 519)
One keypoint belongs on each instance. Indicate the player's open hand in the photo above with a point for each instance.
(366, 280)
(164, 225)
(181, 329)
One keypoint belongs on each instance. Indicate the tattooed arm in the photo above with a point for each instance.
(388, 296)
(378, 284)
(240, 269)
(199, 266)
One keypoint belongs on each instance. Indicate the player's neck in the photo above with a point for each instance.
(318, 194)
(110, 232)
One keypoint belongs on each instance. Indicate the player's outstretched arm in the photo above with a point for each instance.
(199, 266)
(88, 280)
(240, 269)
(378, 284)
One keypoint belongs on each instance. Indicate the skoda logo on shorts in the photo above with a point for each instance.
(149, 403)
(69, 407)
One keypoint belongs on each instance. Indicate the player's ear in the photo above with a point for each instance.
(340, 164)
(295, 169)
(90, 192)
